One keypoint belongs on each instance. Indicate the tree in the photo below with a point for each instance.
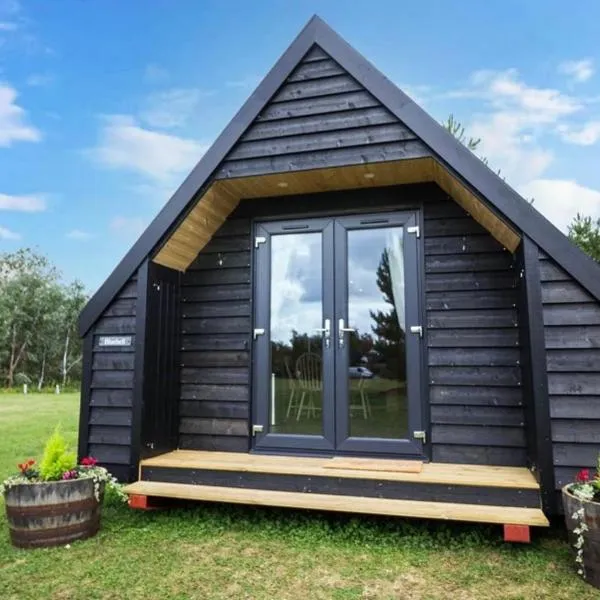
(586, 234)
(74, 300)
(389, 343)
(458, 131)
(26, 284)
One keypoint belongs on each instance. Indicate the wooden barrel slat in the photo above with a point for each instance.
(52, 513)
(591, 545)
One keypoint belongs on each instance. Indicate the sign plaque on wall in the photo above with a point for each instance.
(114, 340)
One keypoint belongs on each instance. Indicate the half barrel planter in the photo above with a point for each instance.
(53, 513)
(591, 545)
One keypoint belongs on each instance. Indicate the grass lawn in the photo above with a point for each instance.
(209, 551)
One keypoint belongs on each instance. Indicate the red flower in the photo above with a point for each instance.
(24, 467)
(583, 476)
(88, 461)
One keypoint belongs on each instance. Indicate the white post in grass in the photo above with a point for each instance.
(273, 418)
(57, 389)
(25, 389)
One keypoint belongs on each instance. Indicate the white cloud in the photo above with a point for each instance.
(577, 70)
(588, 135)
(39, 79)
(171, 108)
(7, 234)
(79, 234)
(559, 200)
(124, 144)
(130, 227)
(155, 74)
(13, 121)
(22, 203)
(248, 82)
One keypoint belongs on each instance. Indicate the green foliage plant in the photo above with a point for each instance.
(57, 458)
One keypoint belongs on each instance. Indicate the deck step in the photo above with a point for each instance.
(431, 473)
(475, 513)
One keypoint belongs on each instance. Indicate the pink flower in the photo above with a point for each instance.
(583, 476)
(88, 461)
(69, 475)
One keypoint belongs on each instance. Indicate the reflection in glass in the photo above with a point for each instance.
(377, 353)
(296, 397)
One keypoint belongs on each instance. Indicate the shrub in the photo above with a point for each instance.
(57, 458)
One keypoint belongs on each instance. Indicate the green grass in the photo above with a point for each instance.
(215, 552)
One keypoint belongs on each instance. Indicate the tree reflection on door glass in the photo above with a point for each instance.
(377, 401)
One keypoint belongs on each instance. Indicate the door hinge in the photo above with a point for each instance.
(420, 435)
(259, 239)
(258, 332)
(414, 229)
(418, 329)
(257, 429)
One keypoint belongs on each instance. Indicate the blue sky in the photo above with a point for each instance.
(106, 105)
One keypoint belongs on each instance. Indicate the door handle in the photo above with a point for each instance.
(342, 330)
(326, 331)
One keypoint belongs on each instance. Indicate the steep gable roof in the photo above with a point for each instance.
(464, 166)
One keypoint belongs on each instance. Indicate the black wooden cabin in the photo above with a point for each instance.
(339, 292)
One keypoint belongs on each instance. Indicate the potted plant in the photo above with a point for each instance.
(58, 501)
(581, 503)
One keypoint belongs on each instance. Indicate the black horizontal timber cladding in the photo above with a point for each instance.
(343, 486)
(121, 308)
(574, 384)
(460, 263)
(575, 407)
(222, 308)
(215, 392)
(573, 360)
(477, 415)
(107, 398)
(113, 379)
(332, 157)
(221, 260)
(484, 454)
(571, 314)
(473, 338)
(215, 443)
(216, 293)
(564, 292)
(472, 319)
(225, 341)
(468, 300)
(441, 227)
(111, 453)
(110, 416)
(315, 53)
(226, 244)
(103, 434)
(461, 244)
(481, 357)
(215, 325)
(316, 70)
(113, 361)
(216, 375)
(460, 375)
(469, 281)
(352, 102)
(216, 277)
(470, 395)
(575, 455)
(310, 124)
(215, 410)
(570, 337)
(322, 141)
(478, 435)
(215, 359)
(576, 431)
(550, 271)
(205, 426)
(115, 325)
(315, 88)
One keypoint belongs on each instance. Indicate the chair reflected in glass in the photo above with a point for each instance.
(310, 383)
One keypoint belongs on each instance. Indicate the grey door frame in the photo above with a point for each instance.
(335, 439)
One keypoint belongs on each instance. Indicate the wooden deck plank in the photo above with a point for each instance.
(473, 513)
(442, 473)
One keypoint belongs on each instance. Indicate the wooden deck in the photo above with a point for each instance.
(471, 493)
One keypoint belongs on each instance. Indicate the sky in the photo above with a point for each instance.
(106, 105)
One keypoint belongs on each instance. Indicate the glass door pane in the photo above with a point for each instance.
(377, 400)
(296, 339)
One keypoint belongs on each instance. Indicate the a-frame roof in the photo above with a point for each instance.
(461, 162)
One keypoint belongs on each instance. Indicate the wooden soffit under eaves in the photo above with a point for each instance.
(218, 202)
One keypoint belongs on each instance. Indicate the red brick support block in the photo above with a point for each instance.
(140, 502)
(517, 533)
